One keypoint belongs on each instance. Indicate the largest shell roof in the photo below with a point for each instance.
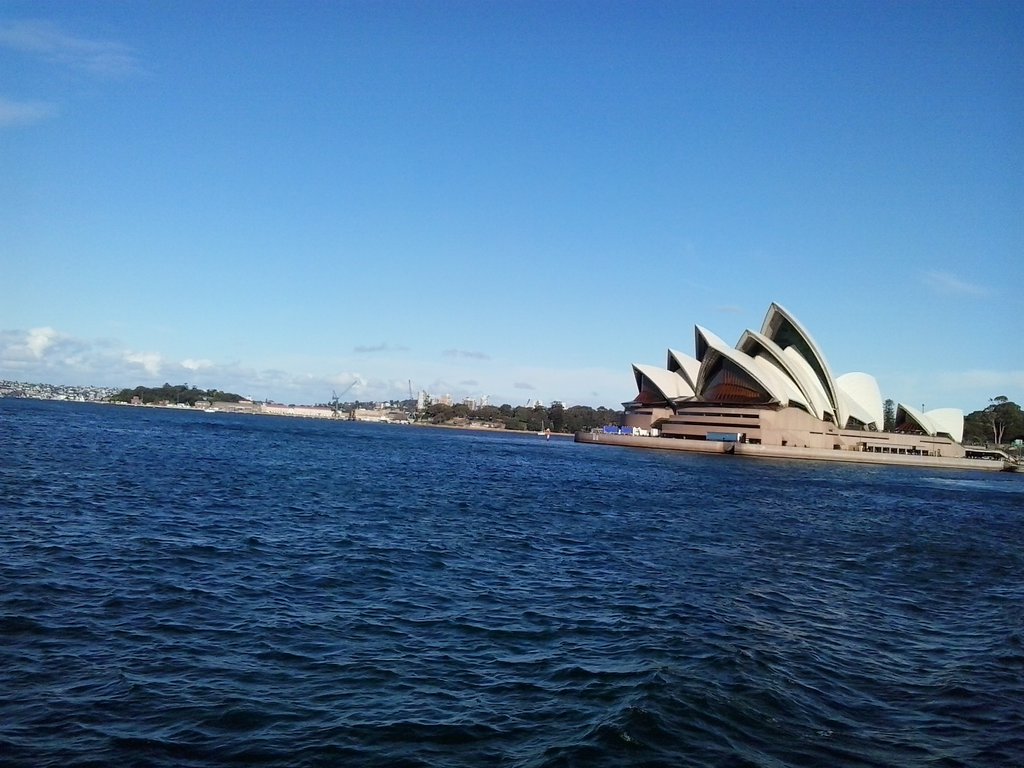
(785, 362)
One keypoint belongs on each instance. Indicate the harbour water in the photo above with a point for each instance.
(193, 589)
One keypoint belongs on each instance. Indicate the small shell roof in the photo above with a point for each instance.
(939, 421)
(671, 385)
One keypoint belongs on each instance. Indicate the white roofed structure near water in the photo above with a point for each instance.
(780, 368)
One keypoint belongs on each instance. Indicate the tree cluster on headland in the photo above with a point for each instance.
(557, 418)
(179, 394)
(1001, 422)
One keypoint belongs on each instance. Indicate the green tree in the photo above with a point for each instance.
(524, 418)
(556, 418)
(1002, 421)
(1002, 416)
(889, 416)
(488, 413)
(439, 413)
(976, 431)
(532, 418)
(173, 393)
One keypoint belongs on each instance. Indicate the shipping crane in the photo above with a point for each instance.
(336, 398)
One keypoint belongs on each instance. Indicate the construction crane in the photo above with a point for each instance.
(336, 398)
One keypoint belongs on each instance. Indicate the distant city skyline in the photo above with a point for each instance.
(503, 200)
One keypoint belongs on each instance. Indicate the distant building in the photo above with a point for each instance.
(383, 415)
(242, 406)
(304, 411)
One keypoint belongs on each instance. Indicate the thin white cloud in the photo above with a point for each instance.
(18, 113)
(523, 385)
(949, 284)
(466, 354)
(372, 349)
(106, 58)
(196, 365)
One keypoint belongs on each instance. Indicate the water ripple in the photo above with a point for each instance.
(193, 590)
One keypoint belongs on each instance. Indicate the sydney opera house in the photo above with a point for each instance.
(775, 394)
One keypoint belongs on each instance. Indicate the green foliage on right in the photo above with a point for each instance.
(1000, 423)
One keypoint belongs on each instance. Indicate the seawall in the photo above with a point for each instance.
(788, 452)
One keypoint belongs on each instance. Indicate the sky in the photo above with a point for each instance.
(515, 200)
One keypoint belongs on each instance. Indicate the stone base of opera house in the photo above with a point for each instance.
(856, 446)
(793, 452)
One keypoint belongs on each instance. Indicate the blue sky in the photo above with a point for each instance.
(508, 199)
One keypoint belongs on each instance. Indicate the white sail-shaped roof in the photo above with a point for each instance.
(686, 366)
(863, 398)
(940, 421)
(905, 413)
(710, 348)
(856, 411)
(783, 382)
(811, 384)
(671, 385)
(812, 395)
(948, 421)
(786, 331)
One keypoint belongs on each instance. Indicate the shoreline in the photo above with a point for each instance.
(299, 415)
(788, 452)
(493, 430)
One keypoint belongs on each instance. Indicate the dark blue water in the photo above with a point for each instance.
(182, 589)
